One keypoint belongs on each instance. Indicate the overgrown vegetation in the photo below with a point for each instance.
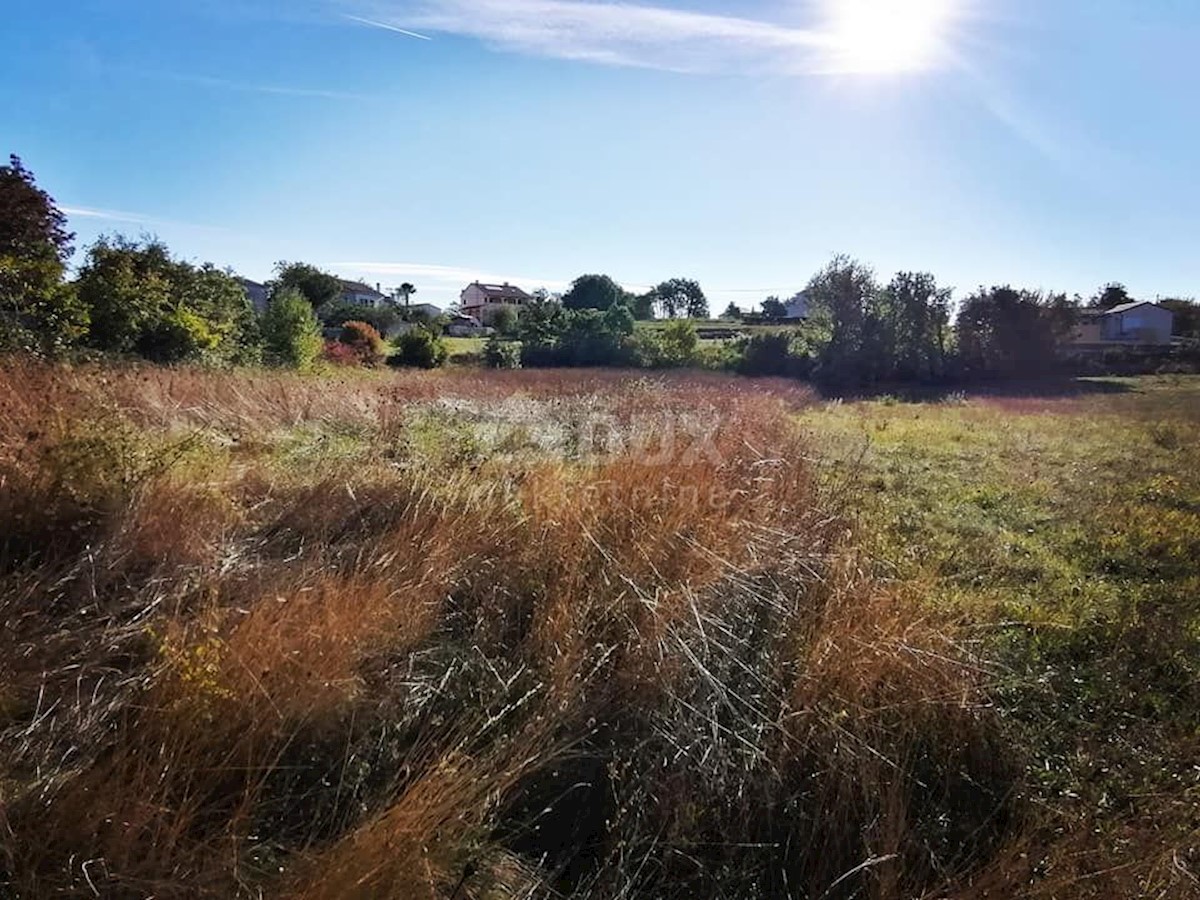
(528, 633)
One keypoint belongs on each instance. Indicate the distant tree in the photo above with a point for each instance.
(318, 287)
(383, 318)
(291, 334)
(505, 320)
(420, 348)
(840, 297)
(37, 311)
(593, 292)
(541, 323)
(674, 345)
(642, 306)
(905, 329)
(1003, 331)
(1187, 317)
(406, 291)
(681, 296)
(1112, 294)
(732, 311)
(140, 300)
(773, 308)
(32, 227)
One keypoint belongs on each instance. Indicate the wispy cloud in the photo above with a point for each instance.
(130, 218)
(625, 34)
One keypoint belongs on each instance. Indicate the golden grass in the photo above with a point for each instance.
(641, 659)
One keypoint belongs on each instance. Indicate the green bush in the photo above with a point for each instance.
(675, 345)
(419, 348)
(771, 353)
(500, 354)
(291, 335)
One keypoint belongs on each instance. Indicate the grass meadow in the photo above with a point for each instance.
(541, 634)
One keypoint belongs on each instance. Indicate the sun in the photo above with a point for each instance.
(889, 36)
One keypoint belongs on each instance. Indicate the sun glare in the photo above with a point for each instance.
(888, 36)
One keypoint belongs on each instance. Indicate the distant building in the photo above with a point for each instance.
(1143, 323)
(258, 294)
(797, 308)
(355, 293)
(422, 311)
(484, 301)
(462, 325)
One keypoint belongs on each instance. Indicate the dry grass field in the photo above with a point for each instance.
(475, 634)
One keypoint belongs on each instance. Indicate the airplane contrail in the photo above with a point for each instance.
(386, 26)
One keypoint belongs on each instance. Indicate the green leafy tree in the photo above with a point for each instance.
(290, 331)
(37, 311)
(681, 297)
(1112, 294)
(840, 297)
(593, 292)
(318, 287)
(674, 345)
(505, 320)
(732, 311)
(642, 306)
(1008, 332)
(905, 329)
(774, 309)
(419, 348)
(142, 301)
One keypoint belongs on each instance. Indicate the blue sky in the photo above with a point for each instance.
(1045, 143)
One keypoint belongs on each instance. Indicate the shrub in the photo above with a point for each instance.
(419, 348)
(382, 319)
(675, 345)
(291, 336)
(367, 343)
(770, 354)
(340, 354)
(500, 354)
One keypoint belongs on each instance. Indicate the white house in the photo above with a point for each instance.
(355, 293)
(422, 310)
(1143, 323)
(1140, 323)
(483, 301)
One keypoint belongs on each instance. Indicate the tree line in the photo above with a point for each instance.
(134, 298)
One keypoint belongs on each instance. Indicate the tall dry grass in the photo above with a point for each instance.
(638, 658)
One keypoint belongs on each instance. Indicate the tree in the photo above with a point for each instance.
(291, 334)
(1187, 317)
(37, 311)
(681, 296)
(773, 308)
(406, 291)
(905, 330)
(1112, 294)
(642, 306)
(318, 287)
(1003, 331)
(593, 292)
(504, 320)
(140, 300)
(732, 311)
(32, 227)
(840, 296)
